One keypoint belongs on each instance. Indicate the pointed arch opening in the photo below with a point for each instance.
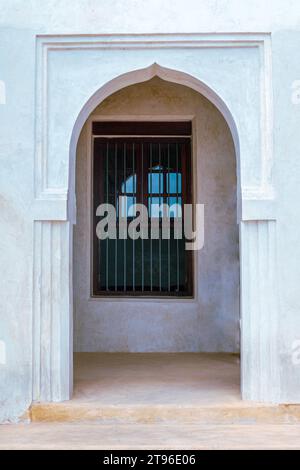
(195, 324)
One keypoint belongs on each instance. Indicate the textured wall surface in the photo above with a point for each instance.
(211, 321)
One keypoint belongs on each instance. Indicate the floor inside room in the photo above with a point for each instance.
(156, 378)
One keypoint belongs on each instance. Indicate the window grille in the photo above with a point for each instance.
(142, 169)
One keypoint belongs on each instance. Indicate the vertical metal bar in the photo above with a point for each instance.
(133, 241)
(151, 280)
(177, 241)
(168, 202)
(159, 218)
(143, 229)
(106, 269)
(125, 208)
(184, 199)
(116, 203)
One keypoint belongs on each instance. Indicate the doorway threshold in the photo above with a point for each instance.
(202, 388)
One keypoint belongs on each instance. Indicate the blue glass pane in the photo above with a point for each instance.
(153, 183)
(172, 183)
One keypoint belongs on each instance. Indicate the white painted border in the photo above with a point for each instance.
(53, 215)
(261, 41)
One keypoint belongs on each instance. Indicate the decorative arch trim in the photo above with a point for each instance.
(54, 208)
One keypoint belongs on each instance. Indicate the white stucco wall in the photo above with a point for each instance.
(210, 322)
(20, 23)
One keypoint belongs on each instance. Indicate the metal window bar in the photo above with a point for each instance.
(134, 200)
(168, 202)
(125, 214)
(106, 267)
(159, 215)
(143, 255)
(177, 200)
(116, 205)
(151, 261)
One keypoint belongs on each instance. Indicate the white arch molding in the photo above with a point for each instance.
(139, 76)
(55, 213)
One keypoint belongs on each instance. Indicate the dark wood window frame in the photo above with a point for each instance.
(108, 133)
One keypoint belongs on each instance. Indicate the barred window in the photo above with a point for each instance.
(150, 164)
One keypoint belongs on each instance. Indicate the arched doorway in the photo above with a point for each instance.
(160, 318)
(205, 318)
(52, 364)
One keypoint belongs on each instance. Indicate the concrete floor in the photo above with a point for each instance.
(156, 401)
(156, 378)
(148, 436)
